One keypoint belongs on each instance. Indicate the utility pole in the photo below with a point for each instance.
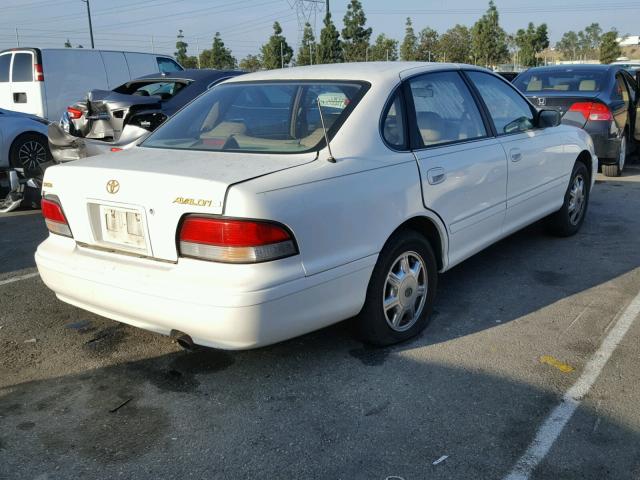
(89, 16)
(17, 38)
(153, 46)
(281, 56)
(198, 51)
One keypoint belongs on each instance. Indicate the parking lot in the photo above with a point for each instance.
(85, 397)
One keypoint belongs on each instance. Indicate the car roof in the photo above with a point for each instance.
(194, 74)
(357, 71)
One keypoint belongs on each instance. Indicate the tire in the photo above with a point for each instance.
(567, 221)
(374, 322)
(28, 152)
(616, 169)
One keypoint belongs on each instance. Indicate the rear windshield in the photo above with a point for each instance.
(267, 117)
(565, 80)
(161, 89)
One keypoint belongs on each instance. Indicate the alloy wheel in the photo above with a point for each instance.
(405, 291)
(31, 154)
(576, 199)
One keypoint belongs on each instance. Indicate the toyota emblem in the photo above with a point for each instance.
(113, 186)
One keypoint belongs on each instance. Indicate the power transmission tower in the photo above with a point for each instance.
(307, 12)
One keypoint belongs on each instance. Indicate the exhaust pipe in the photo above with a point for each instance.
(183, 340)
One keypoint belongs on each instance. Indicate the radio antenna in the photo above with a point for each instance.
(324, 129)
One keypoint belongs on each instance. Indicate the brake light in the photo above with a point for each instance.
(74, 113)
(38, 73)
(592, 110)
(234, 241)
(116, 149)
(54, 216)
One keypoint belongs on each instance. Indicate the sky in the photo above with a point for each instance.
(151, 25)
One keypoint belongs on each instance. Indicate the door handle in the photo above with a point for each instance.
(515, 154)
(436, 175)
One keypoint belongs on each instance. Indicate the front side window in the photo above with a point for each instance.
(445, 111)
(162, 90)
(509, 111)
(393, 129)
(269, 117)
(5, 62)
(22, 67)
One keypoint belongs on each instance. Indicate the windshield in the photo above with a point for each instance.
(266, 117)
(565, 80)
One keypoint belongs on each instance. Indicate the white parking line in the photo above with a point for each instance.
(18, 278)
(553, 425)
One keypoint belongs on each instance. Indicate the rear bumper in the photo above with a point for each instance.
(160, 297)
(605, 142)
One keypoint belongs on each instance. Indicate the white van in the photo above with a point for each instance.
(45, 81)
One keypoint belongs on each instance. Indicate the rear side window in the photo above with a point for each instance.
(393, 129)
(509, 111)
(620, 89)
(166, 65)
(445, 111)
(5, 61)
(22, 67)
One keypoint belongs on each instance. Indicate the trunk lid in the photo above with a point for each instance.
(561, 102)
(157, 187)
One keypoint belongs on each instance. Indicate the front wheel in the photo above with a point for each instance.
(568, 220)
(401, 291)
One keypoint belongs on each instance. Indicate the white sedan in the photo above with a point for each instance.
(235, 225)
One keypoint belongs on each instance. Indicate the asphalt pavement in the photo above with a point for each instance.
(513, 329)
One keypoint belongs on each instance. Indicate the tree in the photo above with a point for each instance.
(276, 53)
(609, 48)
(488, 39)
(218, 56)
(592, 35)
(330, 47)
(455, 44)
(355, 36)
(307, 47)
(384, 49)
(67, 44)
(251, 63)
(410, 42)
(181, 49)
(530, 43)
(428, 47)
(569, 45)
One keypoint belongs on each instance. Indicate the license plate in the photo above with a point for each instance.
(122, 226)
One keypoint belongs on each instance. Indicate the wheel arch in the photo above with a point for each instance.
(585, 157)
(434, 231)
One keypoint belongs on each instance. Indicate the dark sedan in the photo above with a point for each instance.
(113, 120)
(602, 99)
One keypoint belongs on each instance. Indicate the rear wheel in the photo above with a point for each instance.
(568, 220)
(401, 291)
(615, 170)
(29, 151)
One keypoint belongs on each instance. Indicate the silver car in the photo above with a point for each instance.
(23, 141)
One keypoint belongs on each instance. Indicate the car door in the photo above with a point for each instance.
(620, 102)
(538, 166)
(5, 83)
(632, 87)
(463, 169)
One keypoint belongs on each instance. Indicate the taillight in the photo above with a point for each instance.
(54, 216)
(74, 113)
(592, 110)
(234, 241)
(116, 149)
(38, 73)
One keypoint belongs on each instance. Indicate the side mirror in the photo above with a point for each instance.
(548, 118)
